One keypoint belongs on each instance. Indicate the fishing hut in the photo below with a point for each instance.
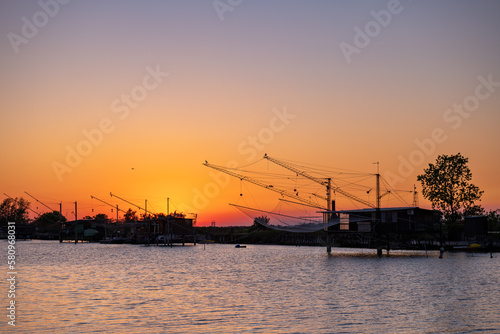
(169, 230)
(373, 226)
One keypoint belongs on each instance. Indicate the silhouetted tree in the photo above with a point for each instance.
(49, 222)
(447, 185)
(257, 222)
(102, 218)
(494, 220)
(14, 210)
(474, 210)
(148, 215)
(130, 216)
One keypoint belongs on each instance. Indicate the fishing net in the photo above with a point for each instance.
(282, 222)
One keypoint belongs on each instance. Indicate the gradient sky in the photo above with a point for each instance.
(231, 69)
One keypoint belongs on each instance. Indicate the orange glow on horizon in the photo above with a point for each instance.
(89, 112)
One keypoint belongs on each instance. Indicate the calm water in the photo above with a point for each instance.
(94, 288)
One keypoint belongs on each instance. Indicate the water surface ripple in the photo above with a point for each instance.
(94, 288)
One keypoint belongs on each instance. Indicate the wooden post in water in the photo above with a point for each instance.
(378, 216)
(76, 223)
(328, 216)
(168, 224)
(170, 235)
(60, 225)
(149, 233)
(168, 220)
(328, 242)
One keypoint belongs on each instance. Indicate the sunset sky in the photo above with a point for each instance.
(131, 97)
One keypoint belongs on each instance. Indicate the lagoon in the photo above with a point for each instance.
(215, 288)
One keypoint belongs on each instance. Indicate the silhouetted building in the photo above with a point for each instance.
(389, 220)
(475, 226)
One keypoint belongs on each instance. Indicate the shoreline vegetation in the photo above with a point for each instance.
(258, 235)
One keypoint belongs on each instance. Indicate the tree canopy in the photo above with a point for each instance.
(447, 185)
(14, 210)
(49, 222)
(257, 222)
(102, 218)
(130, 216)
(48, 218)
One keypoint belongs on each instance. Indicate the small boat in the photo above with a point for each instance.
(240, 246)
(474, 247)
